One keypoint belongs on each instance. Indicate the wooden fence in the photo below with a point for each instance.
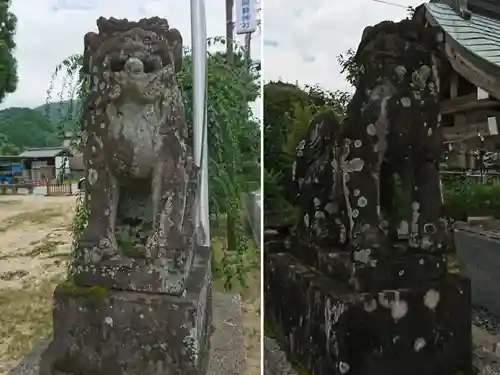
(63, 188)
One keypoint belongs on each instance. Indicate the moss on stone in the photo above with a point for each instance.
(95, 292)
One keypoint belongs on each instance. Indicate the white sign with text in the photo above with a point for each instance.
(246, 16)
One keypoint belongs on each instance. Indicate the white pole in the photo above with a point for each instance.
(199, 48)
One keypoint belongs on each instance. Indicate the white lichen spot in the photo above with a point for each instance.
(399, 309)
(319, 215)
(371, 305)
(355, 213)
(109, 321)
(401, 272)
(362, 201)
(356, 192)
(344, 367)
(429, 132)
(330, 208)
(354, 165)
(317, 202)
(362, 256)
(92, 177)
(431, 299)
(357, 143)
(419, 344)
(401, 71)
(406, 102)
(371, 130)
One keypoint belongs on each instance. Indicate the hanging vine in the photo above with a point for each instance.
(233, 137)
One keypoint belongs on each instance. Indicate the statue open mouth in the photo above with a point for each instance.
(141, 79)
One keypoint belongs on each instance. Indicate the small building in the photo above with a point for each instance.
(470, 81)
(45, 163)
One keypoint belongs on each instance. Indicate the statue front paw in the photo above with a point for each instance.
(368, 236)
(97, 249)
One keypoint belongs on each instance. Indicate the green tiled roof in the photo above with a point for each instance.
(480, 35)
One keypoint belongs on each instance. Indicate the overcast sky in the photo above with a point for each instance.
(50, 30)
(302, 38)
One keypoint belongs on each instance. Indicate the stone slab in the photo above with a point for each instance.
(108, 332)
(330, 329)
(227, 352)
(402, 268)
(479, 259)
(137, 274)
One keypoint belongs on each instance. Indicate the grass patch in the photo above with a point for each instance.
(49, 248)
(31, 218)
(26, 317)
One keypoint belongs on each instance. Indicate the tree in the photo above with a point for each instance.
(233, 137)
(288, 110)
(6, 147)
(8, 64)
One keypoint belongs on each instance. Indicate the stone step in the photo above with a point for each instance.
(227, 355)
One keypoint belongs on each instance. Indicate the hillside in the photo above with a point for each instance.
(22, 128)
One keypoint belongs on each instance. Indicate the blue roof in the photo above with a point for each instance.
(480, 35)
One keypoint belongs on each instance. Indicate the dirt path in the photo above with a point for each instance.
(35, 246)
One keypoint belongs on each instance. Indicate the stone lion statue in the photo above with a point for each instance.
(140, 170)
(344, 173)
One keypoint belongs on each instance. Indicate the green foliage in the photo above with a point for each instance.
(233, 138)
(464, 197)
(348, 66)
(77, 227)
(25, 128)
(6, 147)
(288, 111)
(8, 64)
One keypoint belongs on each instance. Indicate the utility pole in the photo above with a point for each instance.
(248, 44)
(230, 220)
(229, 32)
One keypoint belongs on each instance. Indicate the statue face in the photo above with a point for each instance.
(139, 62)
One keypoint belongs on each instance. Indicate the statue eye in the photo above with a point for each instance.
(149, 66)
(117, 65)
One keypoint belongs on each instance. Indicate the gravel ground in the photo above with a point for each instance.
(484, 319)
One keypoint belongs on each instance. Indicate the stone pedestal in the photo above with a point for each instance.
(479, 259)
(329, 328)
(102, 331)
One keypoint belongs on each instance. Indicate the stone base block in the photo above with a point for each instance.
(106, 332)
(330, 329)
(135, 274)
(403, 268)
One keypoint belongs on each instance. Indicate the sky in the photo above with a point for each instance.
(48, 31)
(302, 38)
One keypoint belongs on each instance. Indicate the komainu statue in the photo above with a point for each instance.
(139, 167)
(345, 173)
(139, 298)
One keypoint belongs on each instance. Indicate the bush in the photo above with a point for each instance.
(464, 198)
